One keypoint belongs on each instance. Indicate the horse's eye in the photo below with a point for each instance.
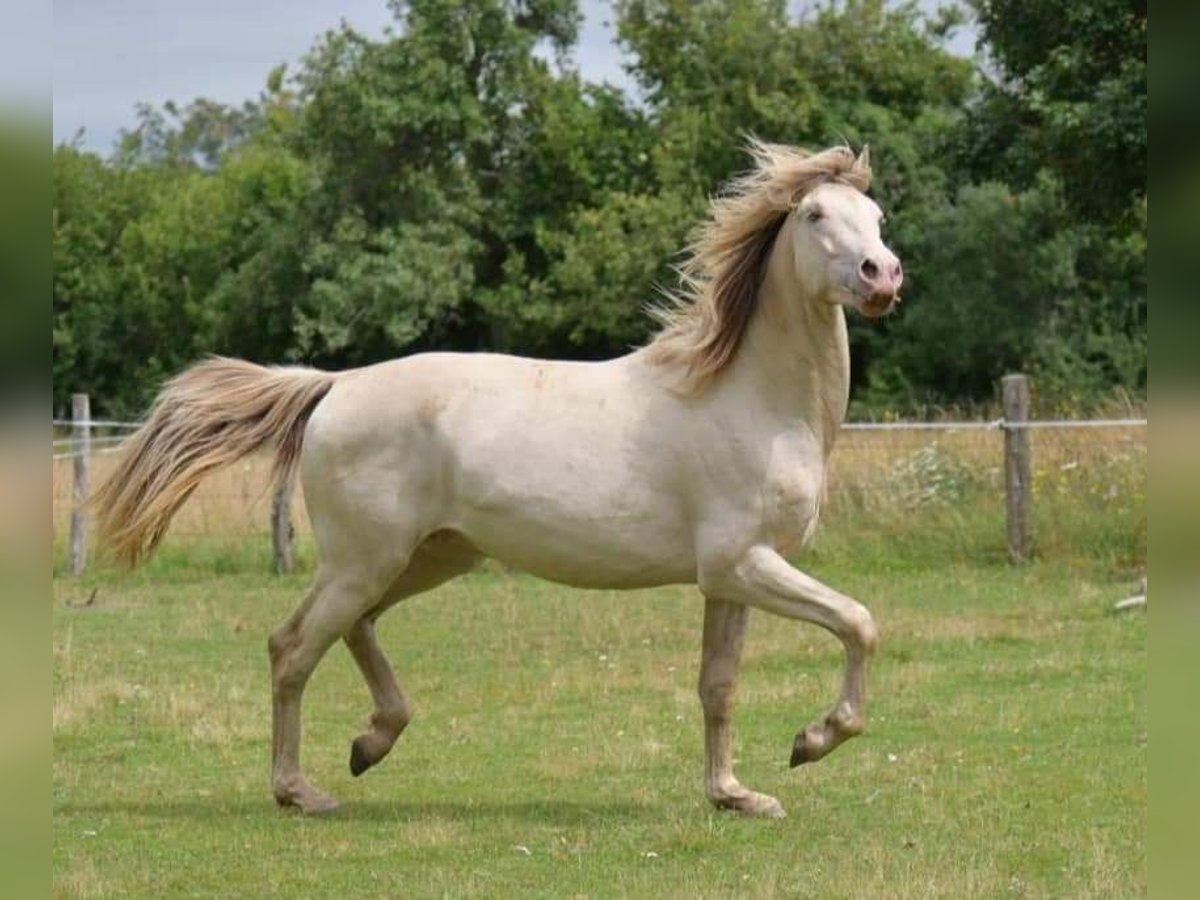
(815, 215)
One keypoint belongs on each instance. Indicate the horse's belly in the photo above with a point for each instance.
(610, 550)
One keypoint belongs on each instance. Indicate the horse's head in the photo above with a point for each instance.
(797, 216)
(840, 255)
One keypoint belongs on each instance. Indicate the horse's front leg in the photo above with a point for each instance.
(763, 579)
(724, 634)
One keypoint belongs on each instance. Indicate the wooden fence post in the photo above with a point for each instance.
(81, 449)
(1018, 474)
(281, 529)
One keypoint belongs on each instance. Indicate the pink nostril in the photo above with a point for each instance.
(869, 270)
(897, 272)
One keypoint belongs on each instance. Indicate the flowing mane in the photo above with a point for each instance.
(706, 316)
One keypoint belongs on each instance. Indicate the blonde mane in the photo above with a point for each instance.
(706, 316)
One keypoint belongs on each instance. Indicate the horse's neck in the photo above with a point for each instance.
(797, 353)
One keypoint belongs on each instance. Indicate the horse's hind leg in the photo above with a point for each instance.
(435, 561)
(334, 604)
(392, 707)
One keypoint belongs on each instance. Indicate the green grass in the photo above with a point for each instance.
(1006, 752)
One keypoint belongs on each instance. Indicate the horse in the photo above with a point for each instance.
(697, 458)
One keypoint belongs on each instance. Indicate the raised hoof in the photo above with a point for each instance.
(359, 762)
(799, 751)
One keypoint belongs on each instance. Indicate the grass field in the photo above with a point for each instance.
(557, 747)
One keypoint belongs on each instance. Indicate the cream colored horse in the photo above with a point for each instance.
(699, 458)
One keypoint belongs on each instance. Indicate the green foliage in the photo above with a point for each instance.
(1071, 98)
(988, 269)
(604, 256)
(373, 290)
(456, 184)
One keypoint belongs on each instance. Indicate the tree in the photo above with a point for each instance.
(1067, 105)
(457, 185)
(1069, 97)
(992, 266)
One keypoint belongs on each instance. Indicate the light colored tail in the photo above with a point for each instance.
(211, 415)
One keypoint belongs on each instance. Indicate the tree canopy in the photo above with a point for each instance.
(458, 184)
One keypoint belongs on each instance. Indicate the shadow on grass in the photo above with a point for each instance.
(542, 812)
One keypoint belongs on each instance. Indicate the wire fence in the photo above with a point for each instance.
(994, 425)
(86, 440)
(69, 447)
(891, 475)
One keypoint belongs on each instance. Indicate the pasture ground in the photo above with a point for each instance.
(557, 744)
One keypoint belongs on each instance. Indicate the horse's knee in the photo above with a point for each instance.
(862, 630)
(713, 696)
(281, 647)
(716, 695)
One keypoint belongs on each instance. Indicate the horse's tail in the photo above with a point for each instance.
(209, 416)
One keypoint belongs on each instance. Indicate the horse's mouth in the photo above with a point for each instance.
(878, 310)
(875, 306)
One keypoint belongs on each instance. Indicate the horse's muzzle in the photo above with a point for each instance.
(880, 303)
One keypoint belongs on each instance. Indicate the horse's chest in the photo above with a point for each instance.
(792, 504)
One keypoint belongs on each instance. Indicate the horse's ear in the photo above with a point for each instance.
(864, 158)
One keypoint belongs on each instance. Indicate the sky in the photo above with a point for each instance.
(110, 55)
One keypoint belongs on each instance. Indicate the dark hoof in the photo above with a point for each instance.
(358, 760)
(799, 751)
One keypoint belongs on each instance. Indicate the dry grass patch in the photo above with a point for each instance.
(79, 700)
(83, 881)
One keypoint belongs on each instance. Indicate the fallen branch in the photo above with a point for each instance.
(86, 603)
(1133, 602)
